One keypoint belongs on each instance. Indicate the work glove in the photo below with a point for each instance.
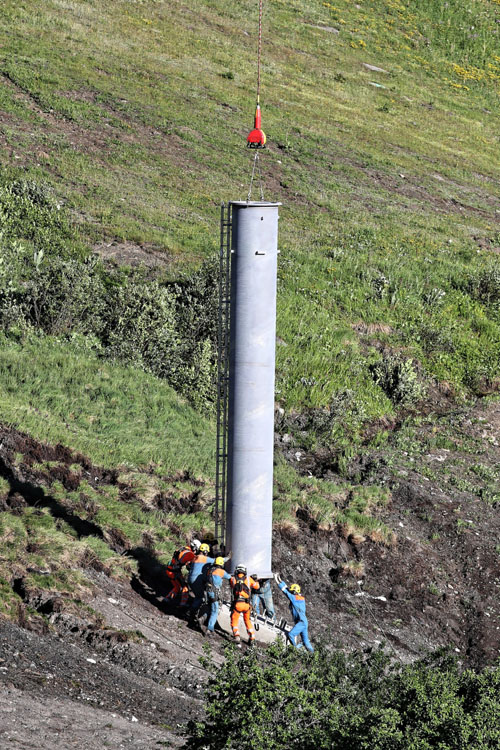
(278, 578)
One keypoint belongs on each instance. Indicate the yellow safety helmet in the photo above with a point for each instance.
(204, 548)
(295, 588)
(219, 561)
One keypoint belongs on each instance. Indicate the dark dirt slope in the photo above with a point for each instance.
(428, 591)
(439, 584)
(126, 690)
(131, 667)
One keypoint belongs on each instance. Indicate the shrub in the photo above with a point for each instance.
(197, 305)
(435, 339)
(485, 285)
(140, 327)
(345, 415)
(66, 295)
(398, 379)
(29, 211)
(337, 701)
(168, 330)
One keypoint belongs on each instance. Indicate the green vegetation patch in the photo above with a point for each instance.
(114, 414)
(330, 699)
(382, 147)
(352, 510)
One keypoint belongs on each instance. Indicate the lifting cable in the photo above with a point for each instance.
(259, 51)
(256, 165)
(257, 138)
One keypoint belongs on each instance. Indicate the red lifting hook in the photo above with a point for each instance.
(257, 138)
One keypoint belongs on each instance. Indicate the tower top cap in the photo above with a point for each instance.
(254, 204)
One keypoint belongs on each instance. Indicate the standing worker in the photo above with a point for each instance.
(298, 612)
(214, 577)
(264, 594)
(195, 578)
(181, 557)
(242, 586)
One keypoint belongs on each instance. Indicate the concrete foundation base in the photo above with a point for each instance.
(265, 631)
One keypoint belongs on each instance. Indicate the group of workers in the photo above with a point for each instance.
(206, 574)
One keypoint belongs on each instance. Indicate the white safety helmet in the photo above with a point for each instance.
(195, 545)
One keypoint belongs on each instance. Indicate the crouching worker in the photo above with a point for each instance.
(264, 595)
(214, 577)
(181, 557)
(242, 586)
(298, 612)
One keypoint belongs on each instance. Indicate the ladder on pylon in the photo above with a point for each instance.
(223, 372)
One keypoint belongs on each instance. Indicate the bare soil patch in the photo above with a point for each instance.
(132, 254)
(439, 584)
(29, 721)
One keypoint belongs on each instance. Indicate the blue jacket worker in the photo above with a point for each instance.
(265, 595)
(214, 576)
(196, 579)
(298, 612)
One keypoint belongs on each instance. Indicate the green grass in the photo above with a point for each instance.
(114, 414)
(117, 416)
(140, 128)
(46, 554)
(351, 509)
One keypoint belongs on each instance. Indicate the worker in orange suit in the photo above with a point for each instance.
(242, 585)
(181, 557)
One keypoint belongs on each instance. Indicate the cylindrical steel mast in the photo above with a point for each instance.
(254, 252)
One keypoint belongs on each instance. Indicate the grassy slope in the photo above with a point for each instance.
(137, 114)
(121, 417)
(63, 394)
(124, 418)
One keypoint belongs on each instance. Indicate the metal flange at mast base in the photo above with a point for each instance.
(267, 631)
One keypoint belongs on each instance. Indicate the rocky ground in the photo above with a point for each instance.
(82, 687)
(128, 675)
(439, 583)
(27, 722)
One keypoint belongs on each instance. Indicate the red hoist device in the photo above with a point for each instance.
(256, 139)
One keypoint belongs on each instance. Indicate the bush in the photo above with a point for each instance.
(335, 701)
(63, 296)
(484, 286)
(169, 330)
(398, 379)
(345, 415)
(140, 327)
(197, 307)
(29, 211)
